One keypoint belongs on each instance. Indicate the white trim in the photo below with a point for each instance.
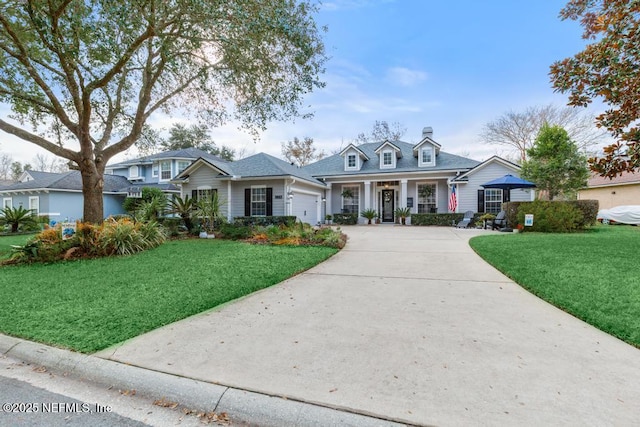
(5, 204)
(155, 168)
(352, 185)
(160, 178)
(492, 159)
(134, 171)
(393, 159)
(346, 162)
(421, 163)
(418, 183)
(37, 199)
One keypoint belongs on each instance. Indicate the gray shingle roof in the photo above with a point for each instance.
(334, 165)
(185, 153)
(66, 181)
(264, 165)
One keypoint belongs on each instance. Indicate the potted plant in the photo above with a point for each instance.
(403, 213)
(369, 214)
(328, 218)
(487, 217)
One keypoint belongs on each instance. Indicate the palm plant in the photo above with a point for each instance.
(17, 217)
(369, 214)
(185, 208)
(403, 213)
(208, 210)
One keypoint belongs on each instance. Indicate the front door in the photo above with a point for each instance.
(388, 201)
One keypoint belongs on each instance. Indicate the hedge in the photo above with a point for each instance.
(345, 218)
(264, 220)
(447, 219)
(588, 211)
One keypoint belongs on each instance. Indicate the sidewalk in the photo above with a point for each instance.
(406, 324)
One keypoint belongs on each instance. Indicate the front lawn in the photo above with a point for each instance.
(7, 241)
(592, 275)
(89, 305)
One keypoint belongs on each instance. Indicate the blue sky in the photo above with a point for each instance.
(453, 66)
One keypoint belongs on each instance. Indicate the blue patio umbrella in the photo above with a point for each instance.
(508, 182)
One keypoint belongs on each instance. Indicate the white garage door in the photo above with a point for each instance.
(305, 208)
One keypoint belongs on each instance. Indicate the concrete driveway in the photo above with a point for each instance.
(408, 324)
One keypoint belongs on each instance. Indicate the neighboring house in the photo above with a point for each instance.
(391, 174)
(59, 195)
(619, 191)
(380, 176)
(259, 185)
(157, 170)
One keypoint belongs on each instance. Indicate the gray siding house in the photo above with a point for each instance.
(259, 185)
(390, 174)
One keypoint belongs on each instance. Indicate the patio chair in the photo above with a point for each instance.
(500, 221)
(466, 221)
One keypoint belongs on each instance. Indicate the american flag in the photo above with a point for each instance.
(453, 200)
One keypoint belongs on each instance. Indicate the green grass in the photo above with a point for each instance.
(592, 275)
(89, 305)
(7, 241)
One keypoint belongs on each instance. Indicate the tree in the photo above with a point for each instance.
(607, 69)
(195, 136)
(382, 131)
(518, 130)
(90, 73)
(42, 162)
(301, 152)
(555, 163)
(17, 169)
(5, 166)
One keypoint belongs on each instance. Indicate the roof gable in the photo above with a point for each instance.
(389, 144)
(351, 146)
(423, 141)
(481, 165)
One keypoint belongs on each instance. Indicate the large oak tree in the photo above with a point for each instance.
(82, 77)
(607, 69)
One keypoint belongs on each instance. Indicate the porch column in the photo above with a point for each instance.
(367, 195)
(327, 205)
(403, 193)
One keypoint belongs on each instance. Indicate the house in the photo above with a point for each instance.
(381, 176)
(59, 195)
(259, 185)
(390, 174)
(619, 191)
(157, 170)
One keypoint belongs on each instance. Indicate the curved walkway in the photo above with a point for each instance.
(407, 324)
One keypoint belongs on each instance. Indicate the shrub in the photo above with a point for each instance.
(443, 219)
(589, 209)
(18, 218)
(345, 218)
(124, 237)
(264, 220)
(236, 231)
(149, 194)
(369, 214)
(551, 217)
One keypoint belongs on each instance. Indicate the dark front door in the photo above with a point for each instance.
(387, 205)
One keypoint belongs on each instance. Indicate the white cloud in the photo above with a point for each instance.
(405, 77)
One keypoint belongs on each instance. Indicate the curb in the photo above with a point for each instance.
(242, 406)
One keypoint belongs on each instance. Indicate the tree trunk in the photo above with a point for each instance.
(92, 185)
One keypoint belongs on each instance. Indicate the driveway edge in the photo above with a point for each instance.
(242, 406)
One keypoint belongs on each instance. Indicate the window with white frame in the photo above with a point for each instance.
(7, 203)
(426, 155)
(34, 204)
(133, 172)
(387, 159)
(182, 165)
(165, 170)
(492, 200)
(258, 201)
(351, 161)
(427, 198)
(154, 170)
(203, 193)
(350, 199)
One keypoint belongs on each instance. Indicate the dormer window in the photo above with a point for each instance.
(387, 158)
(426, 156)
(133, 172)
(352, 161)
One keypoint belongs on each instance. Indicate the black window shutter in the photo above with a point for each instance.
(194, 194)
(506, 196)
(269, 201)
(480, 201)
(247, 202)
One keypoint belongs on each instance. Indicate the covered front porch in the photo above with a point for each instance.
(419, 195)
